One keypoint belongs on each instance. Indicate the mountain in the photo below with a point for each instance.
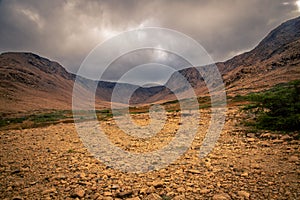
(274, 60)
(29, 82)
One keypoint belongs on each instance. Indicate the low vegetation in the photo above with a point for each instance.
(277, 109)
(36, 120)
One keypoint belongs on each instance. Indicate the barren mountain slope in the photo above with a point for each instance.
(274, 60)
(29, 82)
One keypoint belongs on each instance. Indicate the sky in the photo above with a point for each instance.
(66, 31)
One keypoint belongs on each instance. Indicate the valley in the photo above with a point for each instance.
(44, 157)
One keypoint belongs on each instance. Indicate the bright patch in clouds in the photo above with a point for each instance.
(108, 33)
(298, 5)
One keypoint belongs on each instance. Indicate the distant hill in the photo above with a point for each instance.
(29, 82)
(276, 59)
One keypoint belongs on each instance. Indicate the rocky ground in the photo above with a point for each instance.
(52, 163)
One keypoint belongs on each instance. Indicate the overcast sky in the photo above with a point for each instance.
(66, 31)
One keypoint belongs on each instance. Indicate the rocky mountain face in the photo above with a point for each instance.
(30, 82)
(274, 60)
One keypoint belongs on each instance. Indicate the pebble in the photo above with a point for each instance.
(181, 190)
(251, 139)
(153, 196)
(114, 187)
(277, 141)
(286, 138)
(125, 194)
(265, 144)
(204, 191)
(17, 198)
(78, 193)
(293, 159)
(51, 190)
(221, 196)
(194, 171)
(244, 194)
(107, 193)
(133, 198)
(245, 174)
(157, 184)
(180, 197)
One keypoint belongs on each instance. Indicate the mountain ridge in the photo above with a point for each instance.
(31, 82)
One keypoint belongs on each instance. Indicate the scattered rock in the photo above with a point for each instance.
(153, 196)
(181, 189)
(125, 194)
(255, 166)
(114, 187)
(51, 190)
(221, 196)
(157, 184)
(244, 194)
(78, 193)
(237, 167)
(251, 139)
(204, 191)
(16, 171)
(245, 174)
(194, 171)
(251, 135)
(286, 138)
(293, 158)
(133, 198)
(143, 190)
(95, 196)
(265, 144)
(180, 197)
(150, 190)
(17, 198)
(266, 135)
(107, 193)
(277, 141)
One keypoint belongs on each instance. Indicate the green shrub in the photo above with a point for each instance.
(277, 108)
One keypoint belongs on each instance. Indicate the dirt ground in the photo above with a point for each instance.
(52, 163)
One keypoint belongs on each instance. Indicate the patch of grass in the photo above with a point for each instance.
(35, 120)
(102, 111)
(239, 98)
(47, 117)
(202, 106)
(7, 121)
(277, 108)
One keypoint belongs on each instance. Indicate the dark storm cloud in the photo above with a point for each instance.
(67, 31)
